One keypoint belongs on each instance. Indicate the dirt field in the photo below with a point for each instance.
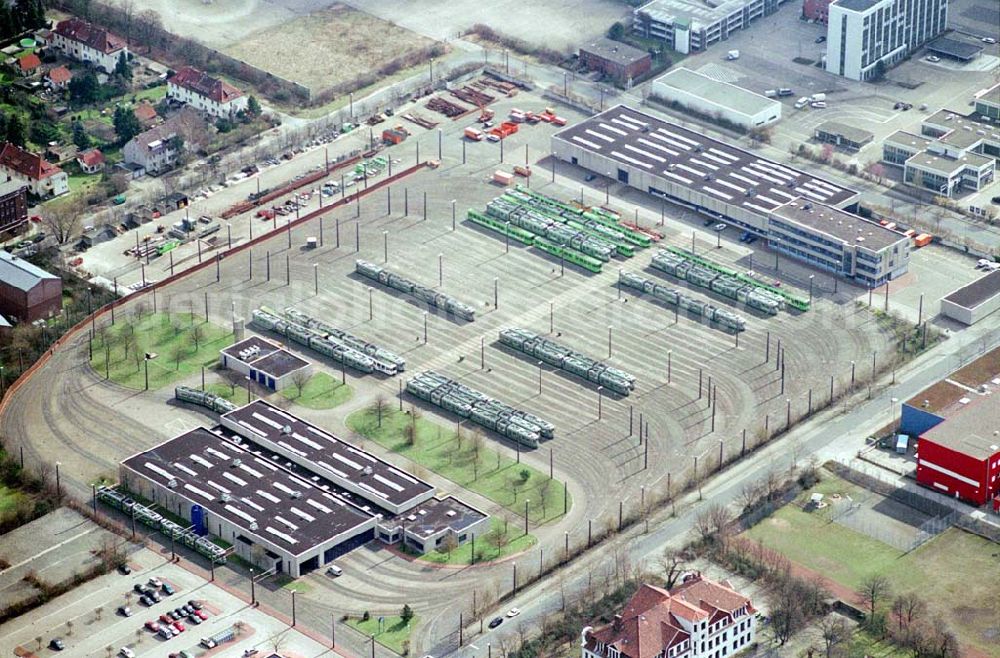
(342, 43)
(222, 22)
(561, 24)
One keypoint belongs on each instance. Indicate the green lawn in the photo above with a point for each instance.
(395, 632)
(487, 548)
(321, 392)
(488, 473)
(237, 396)
(8, 499)
(955, 573)
(170, 336)
(81, 183)
(155, 94)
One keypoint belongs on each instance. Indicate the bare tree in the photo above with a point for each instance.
(197, 333)
(907, 608)
(449, 544)
(299, 379)
(69, 627)
(673, 562)
(834, 630)
(750, 495)
(98, 611)
(873, 590)
(379, 407)
(62, 221)
(128, 12)
(498, 537)
(277, 641)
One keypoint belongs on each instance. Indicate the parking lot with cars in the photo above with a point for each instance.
(157, 609)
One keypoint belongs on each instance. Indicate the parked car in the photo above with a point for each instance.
(513, 612)
(127, 652)
(179, 627)
(719, 227)
(124, 570)
(168, 589)
(334, 570)
(56, 644)
(166, 618)
(166, 632)
(139, 588)
(124, 611)
(989, 40)
(933, 58)
(152, 625)
(154, 581)
(187, 609)
(496, 621)
(195, 604)
(820, 39)
(154, 595)
(193, 620)
(146, 600)
(201, 614)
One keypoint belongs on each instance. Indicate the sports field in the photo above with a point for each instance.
(956, 573)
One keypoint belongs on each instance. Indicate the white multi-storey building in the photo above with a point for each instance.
(690, 26)
(864, 37)
(89, 43)
(205, 93)
(697, 619)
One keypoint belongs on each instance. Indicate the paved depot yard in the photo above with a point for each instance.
(90, 636)
(601, 462)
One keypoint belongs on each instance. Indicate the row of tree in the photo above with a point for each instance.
(22, 16)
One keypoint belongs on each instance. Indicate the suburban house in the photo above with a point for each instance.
(203, 92)
(156, 150)
(91, 161)
(89, 43)
(698, 618)
(29, 65)
(146, 114)
(59, 77)
(41, 177)
(27, 292)
(13, 208)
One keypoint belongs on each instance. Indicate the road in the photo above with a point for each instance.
(830, 435)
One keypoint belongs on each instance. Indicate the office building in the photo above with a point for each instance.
(691, 26)
(720, 100)
(842, 135)
(865, 37)
(798, 213)
(987, 104)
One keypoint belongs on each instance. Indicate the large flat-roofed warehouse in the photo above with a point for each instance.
(248, 501)
(259, 476)
(973, 302)
(707, 96)
(725, 182)
(351, 468)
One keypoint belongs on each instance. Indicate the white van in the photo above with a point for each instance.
(819, 105)
(334, 570)
(802, 102)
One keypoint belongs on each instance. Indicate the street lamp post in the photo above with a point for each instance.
(453, 201)
(600, 399)
(811, 277)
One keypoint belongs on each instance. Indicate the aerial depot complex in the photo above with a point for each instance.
(800, 215)
(378, 329)
(265, 478)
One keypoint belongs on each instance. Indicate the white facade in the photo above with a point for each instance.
(862, 33)
(85, 53)
(51, 185)
(154, 157)
(226, 110)
(717, 99)
(693, 25)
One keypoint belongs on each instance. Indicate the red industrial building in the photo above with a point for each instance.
(27, 292)
(13, 208)
(616, 60)
(816, 10)
(960, 456)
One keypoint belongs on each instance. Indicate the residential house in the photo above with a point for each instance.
(699, 618)
(27, 292)
(13, 208)
(29, 64)
(59, 77)
(42, 178)
(156, 150)
(89, 43)
(91, 161)
(146, 114)
(203, 92)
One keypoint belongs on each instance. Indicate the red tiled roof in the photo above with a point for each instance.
(649, 622)
(91, 35)
(205, 85)
(60, 74)
(29, 62)
(145, 112)
(27, 164)
(90, 158)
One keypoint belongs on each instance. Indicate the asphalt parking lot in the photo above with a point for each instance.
(85, 632)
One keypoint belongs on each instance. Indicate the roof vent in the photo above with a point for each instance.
(296, 494)
(172, 483)
(367, 470)
(287, 429)
(236, 462)
(253, 525)
(225, 497)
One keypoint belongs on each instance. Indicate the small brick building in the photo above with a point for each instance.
(816, 10)
(27, 292)
(616, 60)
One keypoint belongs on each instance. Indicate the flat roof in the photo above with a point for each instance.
(260, 497)
(976, 293)
(695, 13)
(439, 514)
(856, 5)
(262, 347)
(964, 130)
(902, 137)
(990, 95)
(954, 48)
(698, 162)
(279, 363)
(848, 228)
(329, 456)
(615, 51)
(721, 93)
(851, 133)
(945, 165)
(971, 430)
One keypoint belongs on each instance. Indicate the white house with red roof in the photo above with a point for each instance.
(203, 92)
(89, 43)
(91, 161)
(41, 177)
(699, 618)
